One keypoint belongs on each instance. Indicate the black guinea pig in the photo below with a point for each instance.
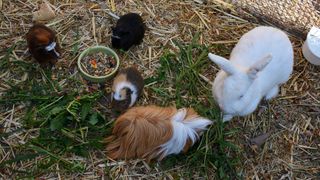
(129, 31)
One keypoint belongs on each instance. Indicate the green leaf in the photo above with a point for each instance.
(56, 110)
(44, 151)
(19, 158)
(93, 118)
(56, 123)
(85, 110)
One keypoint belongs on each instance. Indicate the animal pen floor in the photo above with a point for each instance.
(292, 151)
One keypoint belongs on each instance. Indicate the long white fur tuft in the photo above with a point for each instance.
(182, 131)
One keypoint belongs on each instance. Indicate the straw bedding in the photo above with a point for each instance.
(293, 118)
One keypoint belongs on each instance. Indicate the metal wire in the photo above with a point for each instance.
(295, 16)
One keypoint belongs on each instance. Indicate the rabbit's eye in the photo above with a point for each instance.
(240, 96)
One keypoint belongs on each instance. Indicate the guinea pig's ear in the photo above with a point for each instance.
(259, 66)
(223, 63)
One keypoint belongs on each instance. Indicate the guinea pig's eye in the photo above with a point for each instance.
(240, 96)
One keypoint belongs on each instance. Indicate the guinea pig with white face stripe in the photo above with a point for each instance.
(126, 88)
(43, 45)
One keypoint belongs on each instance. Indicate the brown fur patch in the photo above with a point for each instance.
(134, 76)
(121, 77)
(187, 146)
(123, 93)
(43, 37)
(139, 132)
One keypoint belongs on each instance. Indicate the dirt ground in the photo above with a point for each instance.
(292, 150)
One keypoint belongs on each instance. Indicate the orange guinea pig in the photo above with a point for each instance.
(153, 132)
(42, 44)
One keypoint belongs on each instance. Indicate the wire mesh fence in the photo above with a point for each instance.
(295, 16)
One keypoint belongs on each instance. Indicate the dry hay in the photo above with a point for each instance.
(293, 118)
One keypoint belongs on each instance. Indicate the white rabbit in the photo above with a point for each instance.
(259, 63)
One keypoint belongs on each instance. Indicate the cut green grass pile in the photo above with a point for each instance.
(63, 122)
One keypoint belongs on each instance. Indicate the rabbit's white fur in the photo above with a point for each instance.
(259, 63)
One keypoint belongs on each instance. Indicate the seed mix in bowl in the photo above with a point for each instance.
(98, 64)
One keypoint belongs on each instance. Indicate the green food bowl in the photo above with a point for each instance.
(93, 50)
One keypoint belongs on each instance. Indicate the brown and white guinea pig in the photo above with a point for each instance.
(43, 45)
(126, 88)
(129, 31)
(153, 132)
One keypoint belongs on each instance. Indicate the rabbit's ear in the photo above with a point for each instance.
(258, 66)
(223, 63)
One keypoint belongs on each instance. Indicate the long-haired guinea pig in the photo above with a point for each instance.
(129, 31)
(153, 132)
(126, 88)
(43, 45)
